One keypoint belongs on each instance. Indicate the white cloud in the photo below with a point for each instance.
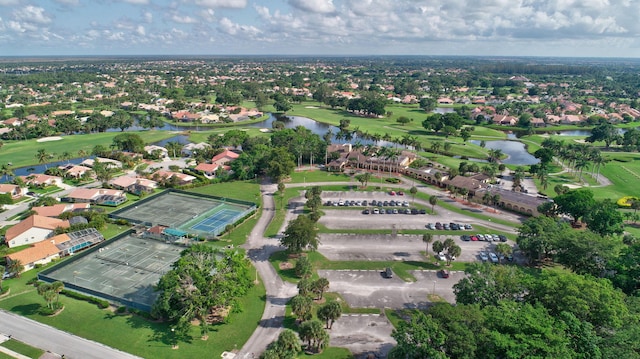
(9, 2)
(229, 27)
(208, 15)
(230, 4)
(136, 2)
(140, 30)
(148, 17)
(68, 2)
(32, 14)
(317, 6)
(183, 19)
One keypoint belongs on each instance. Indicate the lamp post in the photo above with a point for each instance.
(173, 337)
(434, 288)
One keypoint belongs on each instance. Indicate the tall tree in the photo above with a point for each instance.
(330, 312)
(419, 337)
(300, 235)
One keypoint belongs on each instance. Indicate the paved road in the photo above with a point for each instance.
(48, 338)
(259, 249)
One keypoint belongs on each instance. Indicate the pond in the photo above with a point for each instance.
(516, 152)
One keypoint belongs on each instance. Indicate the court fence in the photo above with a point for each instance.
(44, 276)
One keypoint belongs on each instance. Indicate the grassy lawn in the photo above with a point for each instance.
(23, 348)
(23, 153)
(132, 333)
(319, 176)
(242, 190)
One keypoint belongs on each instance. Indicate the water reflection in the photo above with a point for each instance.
(516, 152)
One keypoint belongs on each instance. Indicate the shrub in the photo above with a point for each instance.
(626, 201)
(101, 303)
(392, 180)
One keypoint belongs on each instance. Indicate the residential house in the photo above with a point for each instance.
(55, 247)
(571, 119)
(182, 178)
(191, 148)
(208, 169)
(96, 196)
(38, 253)
(13, 121)
(57, 209)
(42, 180)
(153, 149)
(89, 162)
(135, 185)
(32, 230)
(13, 190)
(428, 174)
(75, 171)
(505, 120)
(537, 122)
(445, 101)
(224, 157)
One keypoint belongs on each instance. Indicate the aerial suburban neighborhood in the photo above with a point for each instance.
(401, 207)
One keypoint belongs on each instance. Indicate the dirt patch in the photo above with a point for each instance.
(286, 265)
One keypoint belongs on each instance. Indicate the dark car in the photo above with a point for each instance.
(502, 237)
(366, 211)
(444, 273)
(414, 211)
(400, 193)
(465, 237)
(364, 203)
(423, 211)
(388, 273)
(438, 225)
(385, 203)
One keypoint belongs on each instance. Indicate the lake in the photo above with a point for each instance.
(516, 152)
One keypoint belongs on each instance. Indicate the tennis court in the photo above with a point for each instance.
(194, 214)
(124, 270)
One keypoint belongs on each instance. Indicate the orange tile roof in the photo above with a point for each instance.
(37, 222)
(40, 250)
(58, 209)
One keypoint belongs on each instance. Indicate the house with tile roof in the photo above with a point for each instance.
(135, 185)
(94, 195)
(208, 169)
(224, 157)
(183, 178)
(57, 209)
(32, 230)
(42, 180)
(38, 253)
(13, 190)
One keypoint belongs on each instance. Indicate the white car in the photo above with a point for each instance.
(442, 257)
(493, 257)
(484, 256)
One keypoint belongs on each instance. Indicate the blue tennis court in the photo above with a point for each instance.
(218, 221)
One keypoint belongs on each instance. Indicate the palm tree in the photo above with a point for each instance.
(453, 252)
(66, 155)
(495, 154)
(6, 172)
(15, 267)
(427, 238)
(433, 200)
(42, 156)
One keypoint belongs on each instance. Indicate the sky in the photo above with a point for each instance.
(568, 28)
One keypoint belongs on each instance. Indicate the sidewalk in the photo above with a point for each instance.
(11, 353)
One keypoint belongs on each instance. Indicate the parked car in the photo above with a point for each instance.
(388, 273)
(502, 237)
(480, 236)
(431, 226)
(395, 211)
(465, 237)
(474, 238)
(393, 193)
(366, 211)
(446, 226)
(376, 211)
(484, 256)
(438, 225)
(495, 237)
(364, 203)
(493, 257)
(443, 273)
(441, 256)
(400, 193)
(414, 211)
(468, 226)
(423, 211)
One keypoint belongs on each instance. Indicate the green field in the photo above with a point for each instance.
(23, 153)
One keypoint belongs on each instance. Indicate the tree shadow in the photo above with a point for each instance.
(27, 309)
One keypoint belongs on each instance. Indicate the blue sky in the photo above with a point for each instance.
(599, 28)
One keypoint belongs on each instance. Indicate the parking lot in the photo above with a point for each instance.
(369, 289)
(363, 334)
(381, 247)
